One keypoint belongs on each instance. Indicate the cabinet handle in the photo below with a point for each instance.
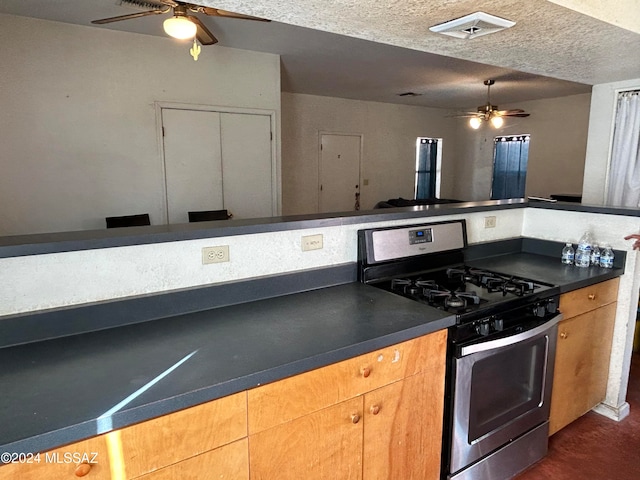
(83, 469)
(563, 335)
(365, 371)
(355, 418)
(591, 296)
(375, 409)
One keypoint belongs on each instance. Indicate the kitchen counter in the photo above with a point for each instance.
(59, 391)
(547, 269)
(62, 390)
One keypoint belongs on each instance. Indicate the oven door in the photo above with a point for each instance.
(502, 389)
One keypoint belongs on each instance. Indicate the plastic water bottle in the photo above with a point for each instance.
(583, 252)
(595, 255)
(568, 254)
(606, 258)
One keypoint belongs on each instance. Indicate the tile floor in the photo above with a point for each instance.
(595, 447)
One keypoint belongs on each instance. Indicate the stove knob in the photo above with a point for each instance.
(552, 305)
(483, 329)
(539, 310)
(498, 324)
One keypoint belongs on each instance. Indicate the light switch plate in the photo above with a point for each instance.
(312, 242)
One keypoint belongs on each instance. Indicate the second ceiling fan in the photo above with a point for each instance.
(490, 113)
(182, 24)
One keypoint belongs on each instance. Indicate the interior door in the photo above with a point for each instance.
(192, 162)
(339, 172)
(246, 164)
(218, 160)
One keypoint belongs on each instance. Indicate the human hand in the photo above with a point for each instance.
(636, 237)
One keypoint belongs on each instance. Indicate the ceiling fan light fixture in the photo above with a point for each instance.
(497, 121)
(180, 27)
(475, 122)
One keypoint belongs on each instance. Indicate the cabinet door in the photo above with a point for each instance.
(325, 444)
(284, 400)
(403, 429)
(230, 462)
(582, 365)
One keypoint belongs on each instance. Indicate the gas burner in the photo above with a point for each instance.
(401, 284)
(510, 285)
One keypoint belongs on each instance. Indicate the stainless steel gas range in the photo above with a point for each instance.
(501, 350)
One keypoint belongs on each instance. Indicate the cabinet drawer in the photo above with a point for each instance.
(302, 394)
(589, 298)
(165, 440)
(229, 462)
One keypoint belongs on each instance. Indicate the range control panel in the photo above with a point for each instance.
(420, 236)
(384, 244)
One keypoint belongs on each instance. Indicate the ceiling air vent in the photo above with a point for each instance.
(472, 26)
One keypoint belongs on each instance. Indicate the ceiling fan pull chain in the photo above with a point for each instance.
(195, 50)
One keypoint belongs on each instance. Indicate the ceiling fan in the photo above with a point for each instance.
(181, 25)
(490, 113)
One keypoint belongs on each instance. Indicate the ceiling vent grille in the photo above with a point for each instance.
(472, 26)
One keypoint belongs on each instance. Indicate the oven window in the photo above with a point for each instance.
(505, 386)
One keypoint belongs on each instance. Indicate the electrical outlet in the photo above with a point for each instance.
(490, 222)
(312, 242)
(217, 254)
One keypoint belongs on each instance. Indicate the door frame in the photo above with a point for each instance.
(276, 196)
(344, 134)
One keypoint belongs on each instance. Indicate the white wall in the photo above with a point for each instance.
(78, 129)
(558, 128)
(389, 151)
(601, 122)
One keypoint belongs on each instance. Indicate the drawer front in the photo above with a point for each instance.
(302, 394)
(589, 298)
(229, 462)
(165, 440)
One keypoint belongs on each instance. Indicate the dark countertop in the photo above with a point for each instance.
(57, 391)
(54, 242)
(547, 269)
(62, 390)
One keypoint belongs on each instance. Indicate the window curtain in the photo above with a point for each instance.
(624, 174)
(511, 156)
(426, 169)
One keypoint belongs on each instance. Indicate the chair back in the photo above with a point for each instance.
(128, 221)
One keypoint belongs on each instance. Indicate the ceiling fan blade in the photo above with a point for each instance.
(203, 34)
(515, 115)
(509, 112)
(131, 15)
(215, 12)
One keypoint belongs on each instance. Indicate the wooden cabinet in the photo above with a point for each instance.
(374, 416)
(403, 428)
(323, 444)
(583, 351)
(145, 447)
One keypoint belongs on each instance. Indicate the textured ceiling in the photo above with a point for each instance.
(373, 50)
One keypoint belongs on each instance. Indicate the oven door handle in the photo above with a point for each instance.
(506, 341)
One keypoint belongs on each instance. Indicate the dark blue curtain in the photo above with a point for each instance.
(426, 168)
(510, 167)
